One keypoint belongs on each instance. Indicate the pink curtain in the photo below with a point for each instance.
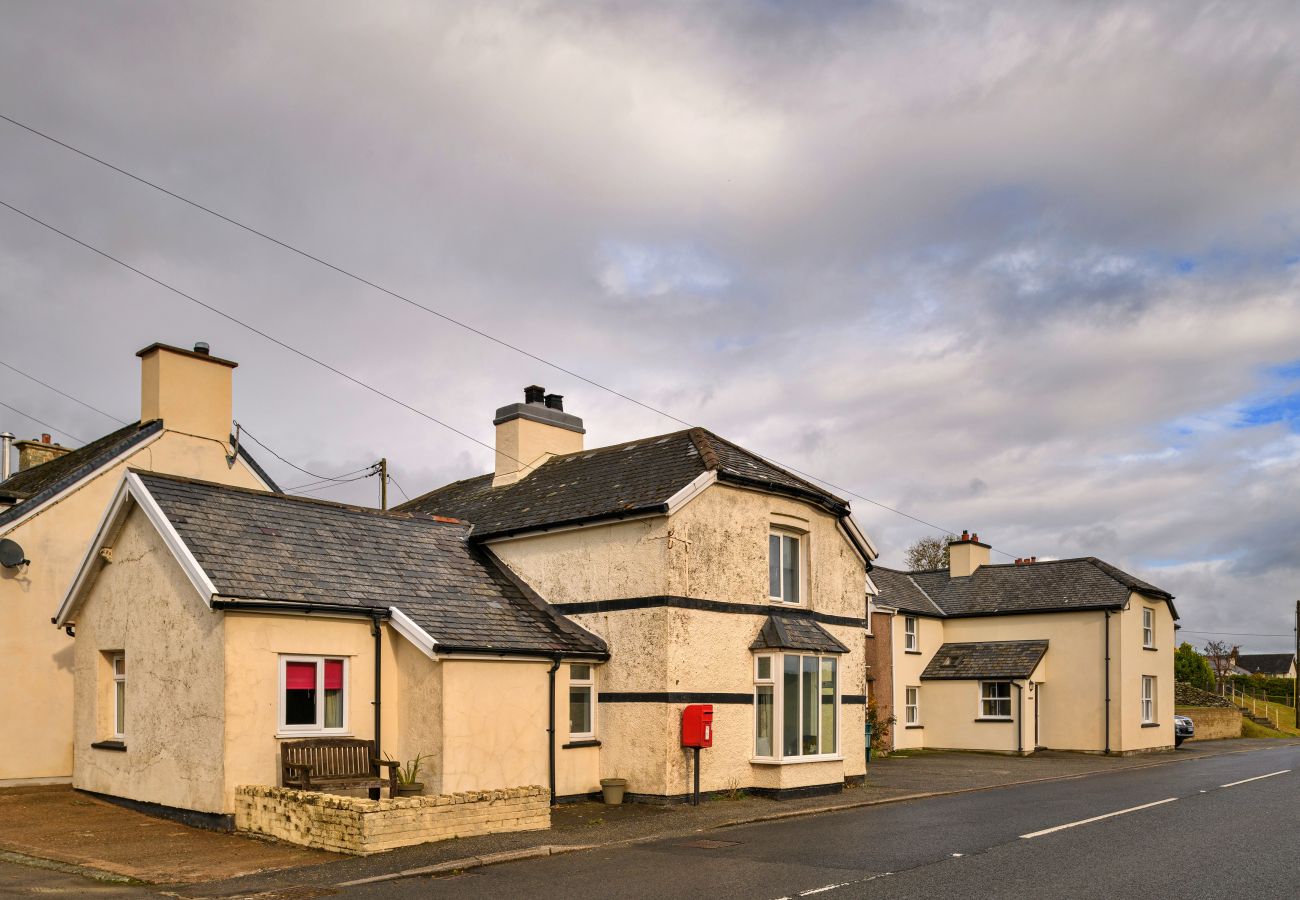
(301, 676)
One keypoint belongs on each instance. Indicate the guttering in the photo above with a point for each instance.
(550, 722)
(1107, 716)
(538, 655)
(307, 607)
(642, 512)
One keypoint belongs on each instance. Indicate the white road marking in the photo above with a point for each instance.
(1256, 778)
(1118, 812)
(820, 890)
(833, 887)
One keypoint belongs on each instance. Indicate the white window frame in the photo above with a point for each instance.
(119, 696)
(912, 705)
(317, 727)
(589, 684)
(776, 682)
(801, 556)
(912, 634)
(986, 716)
(1148, 627)
(1148, 699)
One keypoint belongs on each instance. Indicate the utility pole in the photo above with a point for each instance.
(1295, 684)
(383, 488)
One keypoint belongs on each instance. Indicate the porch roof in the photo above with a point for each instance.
(788, 632)
(986, 659)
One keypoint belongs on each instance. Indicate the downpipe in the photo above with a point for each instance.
(1107, 716)
(550, 725)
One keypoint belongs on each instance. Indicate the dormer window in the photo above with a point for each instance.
(785, 566)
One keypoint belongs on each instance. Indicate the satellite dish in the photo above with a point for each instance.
(11, 555)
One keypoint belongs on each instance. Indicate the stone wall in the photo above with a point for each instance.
(358, 826)
(1212, 723)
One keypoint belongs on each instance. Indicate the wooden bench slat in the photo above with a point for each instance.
(334, 762)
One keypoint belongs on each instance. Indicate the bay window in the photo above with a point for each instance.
(313, 694)
(796, 706)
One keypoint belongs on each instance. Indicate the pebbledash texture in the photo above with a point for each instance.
(359, 826)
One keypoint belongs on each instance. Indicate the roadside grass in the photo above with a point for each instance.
(1285, 715)
(1250, 730)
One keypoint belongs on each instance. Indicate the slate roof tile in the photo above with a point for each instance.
(1265, 663)
(985, 659)
(790, 632)
(1048, 586)
(261, 546)
(632, 478)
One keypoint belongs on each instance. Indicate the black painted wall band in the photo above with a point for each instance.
(673, 697)
(718, 606)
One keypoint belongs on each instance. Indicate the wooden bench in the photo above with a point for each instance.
(320, 764)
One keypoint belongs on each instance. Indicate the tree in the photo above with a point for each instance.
(928, 553)
(1220, 658)
(1192, 668)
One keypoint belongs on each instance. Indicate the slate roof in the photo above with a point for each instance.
(39, 483)
(632, 478)
(986, 659)
(784, 632)
(255, 545)
(1049, 586)
(1265, 663)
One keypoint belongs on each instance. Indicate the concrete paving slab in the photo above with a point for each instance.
(58, 823)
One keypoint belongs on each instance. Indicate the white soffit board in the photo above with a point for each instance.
(691, 491)
(407, 628)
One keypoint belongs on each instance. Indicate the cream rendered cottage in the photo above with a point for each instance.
(51, 508)
(1070, 654)
(712, 575)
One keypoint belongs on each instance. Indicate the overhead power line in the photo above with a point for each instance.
(415, 304)
(41, 422)
(43, 384)
(279, 343)
(1235, 633)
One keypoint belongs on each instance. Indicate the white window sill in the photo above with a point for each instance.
(282, 735)
(795, 760)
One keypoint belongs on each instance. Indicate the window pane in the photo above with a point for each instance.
(790, 707)
(119, 665)
(580, 672)
(580, 709)
(790, 569)
(119, 723)
(334, 707)
(809, 704)
(828, 705)
(774, 565)
(764, 718)
(300, 693)
(765, 667)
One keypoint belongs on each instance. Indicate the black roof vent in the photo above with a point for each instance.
(534, 394)
(555, 401)
(201, 347)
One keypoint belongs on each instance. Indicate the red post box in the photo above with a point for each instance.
(697, 725)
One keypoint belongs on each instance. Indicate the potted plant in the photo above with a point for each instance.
(612, 790)
(407, 785)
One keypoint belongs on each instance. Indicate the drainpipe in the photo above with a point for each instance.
(379, 680)
(1107, 750)
(1020, 716)
(550, 724)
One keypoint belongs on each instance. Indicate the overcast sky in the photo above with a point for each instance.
(1029, 269)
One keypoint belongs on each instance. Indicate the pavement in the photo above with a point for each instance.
(54, 822)
(912, 776)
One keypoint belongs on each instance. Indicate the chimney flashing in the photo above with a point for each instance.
(206, 357)
(539, 412)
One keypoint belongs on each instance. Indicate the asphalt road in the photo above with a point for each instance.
(1203, 835)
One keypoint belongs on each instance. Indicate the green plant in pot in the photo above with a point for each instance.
(408, 783)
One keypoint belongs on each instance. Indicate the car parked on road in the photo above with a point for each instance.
(1183, 729)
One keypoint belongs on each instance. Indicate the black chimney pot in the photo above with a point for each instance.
(534, 394)
(555, 401)
(201, 347)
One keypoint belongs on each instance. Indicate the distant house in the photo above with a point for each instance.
(1068, 654)
(1273, 665)
(51, 507)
